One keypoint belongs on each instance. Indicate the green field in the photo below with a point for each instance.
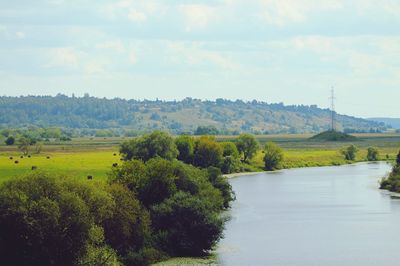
(78, 164)
(95, 156)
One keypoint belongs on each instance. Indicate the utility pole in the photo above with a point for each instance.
(332, 98)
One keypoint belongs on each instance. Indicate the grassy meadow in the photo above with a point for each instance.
(78, 163)
(95, 156)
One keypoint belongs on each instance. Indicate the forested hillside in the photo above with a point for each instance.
(185, 116)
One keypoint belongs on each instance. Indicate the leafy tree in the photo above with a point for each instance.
(248, 145)
(42, 222)
(24, 144)
(230, 149)
(129, 174)
(350, 152)
(185, 145)
(372, 154)
(156, 144)
(230, 162)
(184, 226)
(273, 156)
(159, 182)
(229, 165)
(207, 152)
(10, 141)
(128, 228)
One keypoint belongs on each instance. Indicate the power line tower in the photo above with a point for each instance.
(333, 98)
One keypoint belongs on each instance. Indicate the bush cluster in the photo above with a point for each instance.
(392, 182)
(146, 212)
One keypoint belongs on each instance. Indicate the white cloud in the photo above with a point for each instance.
(64, 57)
(20, 35)
(197, 16)
(116, 46)
(136, 16)
(283, 12)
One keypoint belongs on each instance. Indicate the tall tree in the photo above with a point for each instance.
(273, 156)
(247, 145)
(185, 146)
(156, 144)
(207, 152)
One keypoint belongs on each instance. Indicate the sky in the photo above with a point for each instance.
(290, 51)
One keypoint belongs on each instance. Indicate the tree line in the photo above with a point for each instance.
(203, 152)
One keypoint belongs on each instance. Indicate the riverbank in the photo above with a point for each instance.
(234, 175)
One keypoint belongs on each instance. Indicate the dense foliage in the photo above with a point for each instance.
(372, 154)
(156, 144)
(213, 117)
(201, 152)
(184, 203)
(52, 221)
(207, 152)
(350, 152)
(247, 145)
(273, 156)
(146, 212)
(392, 182)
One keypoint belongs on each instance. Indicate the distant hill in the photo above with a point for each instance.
(393, 122)
(331, 135)
(175, 116)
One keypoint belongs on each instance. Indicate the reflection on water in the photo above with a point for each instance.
(313, 216)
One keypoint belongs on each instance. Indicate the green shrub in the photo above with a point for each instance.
(45, 222)
(185, 226)
(185, 145)
(273, 156)
(350, 152)
(207, 152)
(372, 154)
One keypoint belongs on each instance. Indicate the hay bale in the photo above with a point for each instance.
(115, 165)
(16, 162)
(48, 157)
(34, 167)
(21, 157)
(115, 154)
(89, 177)
(11, 158)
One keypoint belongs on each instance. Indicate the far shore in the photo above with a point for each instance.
(233, 175)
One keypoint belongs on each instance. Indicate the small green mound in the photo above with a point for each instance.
(332, 135)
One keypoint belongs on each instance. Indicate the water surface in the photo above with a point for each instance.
(313, 216)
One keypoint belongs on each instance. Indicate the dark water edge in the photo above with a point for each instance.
(313, 216)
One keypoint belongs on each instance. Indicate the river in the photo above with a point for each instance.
(313, 216)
